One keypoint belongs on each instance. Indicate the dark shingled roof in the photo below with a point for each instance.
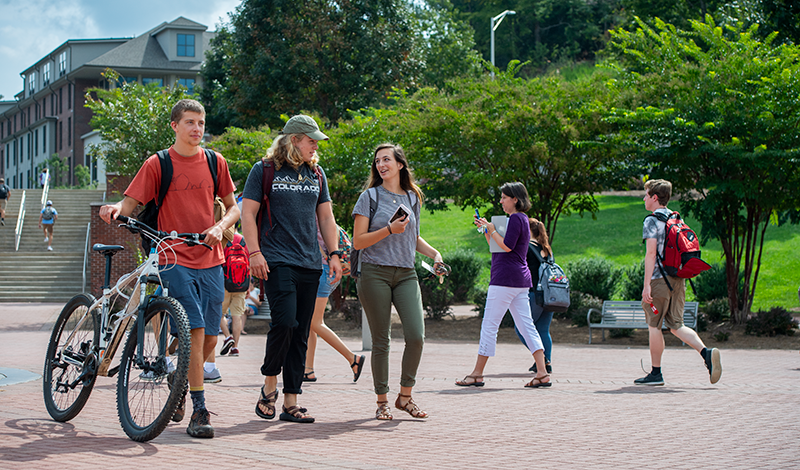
(145, 52)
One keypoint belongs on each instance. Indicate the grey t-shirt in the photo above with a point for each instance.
(291, 239)
(654, 228)
(397, 249)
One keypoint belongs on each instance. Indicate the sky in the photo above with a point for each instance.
(30, 29)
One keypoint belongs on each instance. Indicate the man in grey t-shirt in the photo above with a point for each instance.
(663, 300)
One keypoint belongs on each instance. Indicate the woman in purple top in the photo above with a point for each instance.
(508, 287)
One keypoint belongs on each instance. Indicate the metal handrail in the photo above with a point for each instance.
(20, 220)
(86, 254)
(46, 187)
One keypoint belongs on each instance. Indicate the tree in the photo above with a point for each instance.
(476, 134)
(717, 115)
(283, 56)
(242, 148)
(133, 121)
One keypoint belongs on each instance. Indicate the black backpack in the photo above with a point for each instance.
(149, 215)
(3, 191)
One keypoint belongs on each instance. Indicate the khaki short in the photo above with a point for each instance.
(234, 300)
(3, 203)
(670, 304)
(48, 228)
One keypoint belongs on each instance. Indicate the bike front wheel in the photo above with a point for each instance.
(145, 401)
(70, 366)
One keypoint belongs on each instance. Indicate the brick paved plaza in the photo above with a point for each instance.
(592, 417)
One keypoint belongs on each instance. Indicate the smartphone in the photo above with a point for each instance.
(401, 212)
(477, 214)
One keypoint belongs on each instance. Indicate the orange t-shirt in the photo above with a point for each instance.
(188, 206)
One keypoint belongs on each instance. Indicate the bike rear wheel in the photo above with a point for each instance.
(145, 402)
(70, 366)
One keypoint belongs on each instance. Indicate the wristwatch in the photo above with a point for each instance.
(337, 253)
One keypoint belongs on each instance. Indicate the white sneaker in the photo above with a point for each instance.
(46, 239)
(49, 248)
(212, 377)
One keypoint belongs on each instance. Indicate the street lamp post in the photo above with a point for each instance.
(493, 24)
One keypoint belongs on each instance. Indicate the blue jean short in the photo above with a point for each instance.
(326, 284)
(200, 292)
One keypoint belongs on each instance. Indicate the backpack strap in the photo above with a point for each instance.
(211, 158)
(166, 175)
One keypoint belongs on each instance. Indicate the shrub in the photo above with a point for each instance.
(776, 321)
(579, 305)
(466, 267)
(721, 336)
(631, 282)
(702, 322)
(717, 310)
(594, 276)
(711, 284)
(621, 332)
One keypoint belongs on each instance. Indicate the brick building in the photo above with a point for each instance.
(48, 116)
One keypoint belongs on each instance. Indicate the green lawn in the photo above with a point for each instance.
(616, 235)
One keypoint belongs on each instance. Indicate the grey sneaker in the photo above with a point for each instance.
(200, 425)
(212, 377)
(650, 379)
(713, 365)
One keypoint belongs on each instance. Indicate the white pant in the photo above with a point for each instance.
(498, 300)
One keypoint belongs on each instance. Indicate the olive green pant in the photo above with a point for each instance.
(378, 288)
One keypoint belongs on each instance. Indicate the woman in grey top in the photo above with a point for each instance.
(387, 272)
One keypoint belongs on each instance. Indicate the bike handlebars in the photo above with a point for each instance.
(136, 226)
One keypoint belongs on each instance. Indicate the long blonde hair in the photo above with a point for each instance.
(539, 235)
(406, 175)
(283, 151)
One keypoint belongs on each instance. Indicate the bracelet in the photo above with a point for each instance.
(493, 232)
(335, 252)
(254, 253)
(389, 228)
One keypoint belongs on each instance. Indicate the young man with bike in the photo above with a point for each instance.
(196, 279)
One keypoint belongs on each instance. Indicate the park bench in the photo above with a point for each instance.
(629, 314)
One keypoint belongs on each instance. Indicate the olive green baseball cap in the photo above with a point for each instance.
(302, 124)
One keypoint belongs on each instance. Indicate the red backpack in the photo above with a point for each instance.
(681, 256)
(237, 265)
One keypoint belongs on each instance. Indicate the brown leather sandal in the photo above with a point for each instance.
(410, 407)
(473, 383)
(538, 383)
(384, 413)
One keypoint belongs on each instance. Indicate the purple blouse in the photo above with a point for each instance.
(511, 269)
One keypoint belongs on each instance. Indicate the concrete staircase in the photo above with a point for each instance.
(34, 274)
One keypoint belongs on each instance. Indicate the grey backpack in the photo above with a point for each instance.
(552, 291)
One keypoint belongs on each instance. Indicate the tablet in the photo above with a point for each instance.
(500, 222)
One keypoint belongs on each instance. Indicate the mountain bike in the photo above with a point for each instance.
(88, 332)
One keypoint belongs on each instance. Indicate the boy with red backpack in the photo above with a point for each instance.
(664, 293)
(237, 281)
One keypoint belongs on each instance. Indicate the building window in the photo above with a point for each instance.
(52, 104)
(69, 132)
(60, 135)
(186, 45)
(36, 142)
(60, 100)
(188, 83)
(62, 63)
(159, 81)
(46, 74)
(69, 96)
(31, 83)
(44, 141)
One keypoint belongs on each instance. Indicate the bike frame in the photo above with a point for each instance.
(136, 305)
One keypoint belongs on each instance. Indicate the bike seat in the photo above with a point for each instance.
(107, 248)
